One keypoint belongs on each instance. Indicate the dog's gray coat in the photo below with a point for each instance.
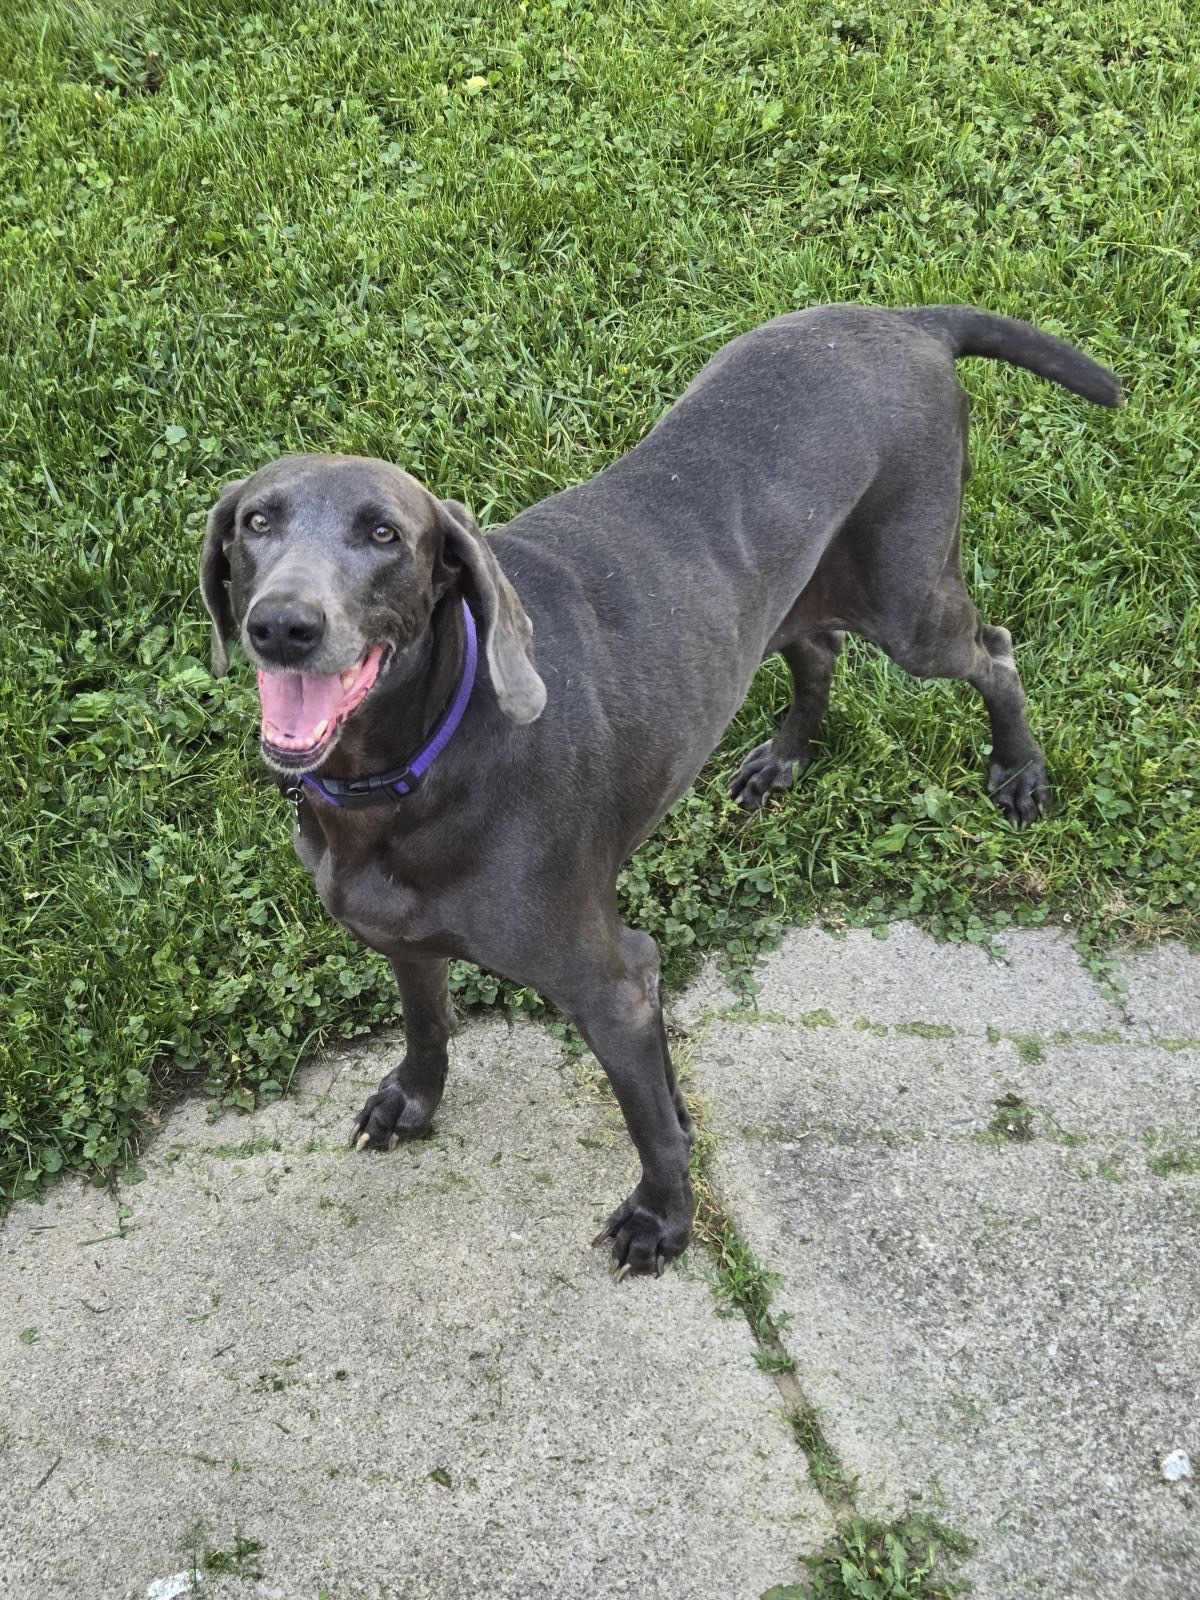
(807, 483)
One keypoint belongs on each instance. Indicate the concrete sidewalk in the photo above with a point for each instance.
(278, 1369)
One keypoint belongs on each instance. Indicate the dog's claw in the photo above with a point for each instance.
(602, 1237)
(364, 1140)
(623, 1272)
(660, 1262)
(393, 1141)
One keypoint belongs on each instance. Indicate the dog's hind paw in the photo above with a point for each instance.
(763, 771)
(1022, 793)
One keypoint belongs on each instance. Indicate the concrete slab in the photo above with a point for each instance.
(395, 1375)
(1001, 1333)
(1164, 990)
(1036, 984)
(771, 1079)
(298, 1372)
(1000, 1343)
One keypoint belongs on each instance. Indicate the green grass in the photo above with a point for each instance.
(870, 1560)
(492, 243)
(1170, 1157)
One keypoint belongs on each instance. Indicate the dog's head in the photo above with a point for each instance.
(327, 568)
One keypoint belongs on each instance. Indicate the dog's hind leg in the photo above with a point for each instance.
(812, 660)
(952, 642)
(1017, 778)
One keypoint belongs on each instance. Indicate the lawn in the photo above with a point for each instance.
(492, 243)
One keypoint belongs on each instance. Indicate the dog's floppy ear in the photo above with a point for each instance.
(508, 631)
(214, 573)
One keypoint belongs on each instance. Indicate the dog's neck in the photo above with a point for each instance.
(415, 689)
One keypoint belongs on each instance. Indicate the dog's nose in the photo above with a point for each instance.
(284, 629)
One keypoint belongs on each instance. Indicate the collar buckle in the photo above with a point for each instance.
(360, 786)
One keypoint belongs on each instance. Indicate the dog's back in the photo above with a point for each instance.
(807, 482)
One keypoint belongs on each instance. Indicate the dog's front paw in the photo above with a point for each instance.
(1022, 793)
(763, 771)
(390, 1116)
(645, 1237)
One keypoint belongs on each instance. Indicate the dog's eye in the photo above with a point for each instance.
(258, 523)
(384, 533)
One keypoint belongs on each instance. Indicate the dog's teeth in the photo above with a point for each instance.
(320, 729)
(347, 678)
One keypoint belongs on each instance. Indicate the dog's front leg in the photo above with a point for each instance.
(614, 1002)
(403, 1105)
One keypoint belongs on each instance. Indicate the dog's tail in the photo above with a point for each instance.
(970, 332)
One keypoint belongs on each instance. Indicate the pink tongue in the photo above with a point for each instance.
(295, 703)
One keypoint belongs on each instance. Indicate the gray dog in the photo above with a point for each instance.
(478, 734)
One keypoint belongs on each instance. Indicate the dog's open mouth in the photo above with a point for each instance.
(302, 712)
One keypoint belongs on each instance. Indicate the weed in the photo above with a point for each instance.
(879, 1561)
(241, 1561)
(744, 1286)
(277, 1381)
(1013, 1120)
(826, 1469)
(243, 1151)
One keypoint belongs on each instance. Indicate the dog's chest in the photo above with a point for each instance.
(369, 897)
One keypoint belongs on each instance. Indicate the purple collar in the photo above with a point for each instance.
(382, 786)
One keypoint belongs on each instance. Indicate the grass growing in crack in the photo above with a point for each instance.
(745, 1287)
(867, 1560)
(880, 1561)
(206, 1560)
(742, 1284)
(1029, 1047)
(231, 231)
(827, 1473)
